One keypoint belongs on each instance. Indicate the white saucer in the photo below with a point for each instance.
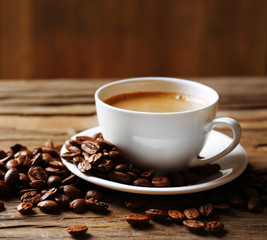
(232, 165)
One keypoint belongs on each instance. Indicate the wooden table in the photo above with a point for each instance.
(34, 111)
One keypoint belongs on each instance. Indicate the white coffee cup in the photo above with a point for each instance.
(162, 141)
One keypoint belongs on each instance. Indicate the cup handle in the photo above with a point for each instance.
(236, 129)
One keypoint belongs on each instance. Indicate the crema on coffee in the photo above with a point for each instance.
(160, 102)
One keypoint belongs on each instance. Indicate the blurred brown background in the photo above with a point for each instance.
(126, 38)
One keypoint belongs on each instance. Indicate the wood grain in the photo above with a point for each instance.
(117, 38)
(31, 112)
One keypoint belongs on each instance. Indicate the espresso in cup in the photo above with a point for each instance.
(156, 102)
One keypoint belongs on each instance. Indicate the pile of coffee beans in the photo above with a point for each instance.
(41, 180)
(98, 157)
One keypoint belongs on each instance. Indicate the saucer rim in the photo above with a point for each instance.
(154, 190)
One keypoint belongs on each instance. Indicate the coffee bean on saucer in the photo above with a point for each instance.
(215, 227)
(142, 182)
(161, 182)
(77, 230)
(194, 225)
(137, 219)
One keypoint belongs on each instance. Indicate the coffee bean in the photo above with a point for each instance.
(78, 205)
(137, 219)
(72, 192)
(38, 184)
(23, 191)
(135, 203)
(206, 210)
(85, 166)
(69, 155)
(96, 205)
(189, 177)
(37, 173)
(161, 182)
(12, 163)
(142, 182)
(35, 199)
(11, 177)
(90, 146)
(121, 168)
(215, 227)
(37, 159)
(254, 204)
(237, 201)
(105, 166)
(69, 180)
(2, 206)
(191, 213)
(50, 194)
(119, 177)
(96, 159)
(208, 169)
(194, 225)
(62, 200)
(23, 179)
(53, 181)
(94, 193)
(57, 164)
(25, 207)
(17, 147)
(148, 174)
(176, 215)
(5, 190)
(48, 206)
(77, 230)
(156, 214)
(177, 179)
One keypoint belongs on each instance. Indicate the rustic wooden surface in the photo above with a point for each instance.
(32, 112)
(118, 38)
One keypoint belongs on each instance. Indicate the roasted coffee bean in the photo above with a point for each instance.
(96, 159)
(28, 194)
(75, 149)
(25, 207)
(23, 191)
(25, 152)
(121, 167)
(62, 200)
(148, 174)
(206, 210)
(156, 214)
(11, 177)
(98, 136)
(237, 201)
(254, 204)
(53, 181)
(23, 179)
(72, 192)
(84, 138)
(8, 156)
(77, 230)
(176, 216)
(90, 146)
(119, 177)
(34, 199)
(194, 225)
(78, 205)
(2, 206)
(137, 219)
(208, 169)
(37, 173)
(50, 194)
(69, 180)
(24, 161)
(114, 155)
(74, 143)
(37, 159)
(191, 213)
(222, 207)
(96, 205)
(55, 171)
(142, 182)
(17, 147)
(135, 203)
(177, 179)
(70, 155)
(57, 164)
(48, 206)
(105, 166)
(12, 163)
(52, 152)
(106, 145)
(85, 166)
(161, 182)
(215, 227)
(94, 193)
(38, 184)
(132, 175)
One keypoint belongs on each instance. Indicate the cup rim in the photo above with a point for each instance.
(97, 98)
